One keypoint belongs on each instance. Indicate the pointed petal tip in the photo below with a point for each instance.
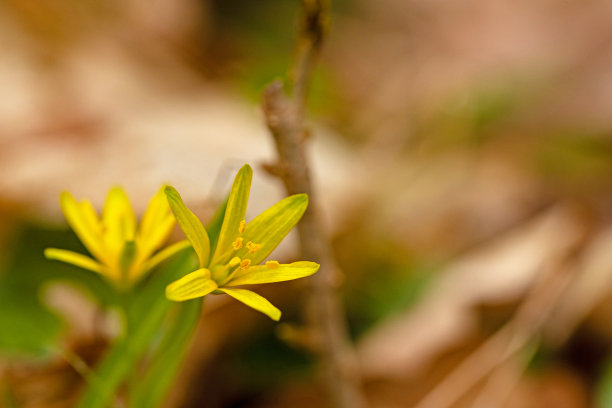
(117, 191)
(245, 174)
(274, 314)
(246, 168)
(48, 253)
(168, 189)
(191, 286)
(172, 193)
(254, 301)
(65, 196)
(116, 188)
(170, 294)
(301, 198)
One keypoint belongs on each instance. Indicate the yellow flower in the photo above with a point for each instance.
(240, 248)
(123, 250)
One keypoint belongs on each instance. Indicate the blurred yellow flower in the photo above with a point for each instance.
(240, 248)
(123, 250)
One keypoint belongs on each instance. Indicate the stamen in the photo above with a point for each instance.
(242, 226)
(253, 247)
(245, 263)
(237, 244)
(234, 261)
(272, 264)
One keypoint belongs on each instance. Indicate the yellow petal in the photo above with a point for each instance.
(74, 258)
(255, 301)
(270, 227)
(149, 243)
(118, 219)
(158, 258)
(90, 216)
(156, 213)
(266, 274)
(191, 286)
(234, 212)
(79, 218)
(190, 224)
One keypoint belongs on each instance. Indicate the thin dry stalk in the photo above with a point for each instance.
(523, 329)
(285, 119)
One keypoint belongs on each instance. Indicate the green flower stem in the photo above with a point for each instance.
(122, 358)
(145, 317)
(151, 390)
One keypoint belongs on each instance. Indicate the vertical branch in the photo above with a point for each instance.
(285, 119)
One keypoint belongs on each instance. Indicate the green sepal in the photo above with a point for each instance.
(126, 259)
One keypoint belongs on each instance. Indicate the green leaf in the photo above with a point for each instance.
(153, 387)
(145, 317)
(190, 224)
(234, 212)
(28, 326)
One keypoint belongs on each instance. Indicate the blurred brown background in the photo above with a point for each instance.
(462, 150)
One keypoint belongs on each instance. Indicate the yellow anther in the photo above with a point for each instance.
(272, 264)
(252, 247)
(234, 261)
(242, 226)
(237, 244)
(245, 263)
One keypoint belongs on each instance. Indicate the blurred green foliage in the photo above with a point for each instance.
(478, 114)
(264, 46)
(146, 311)
(387, 289)
(604, 388)
(266, 362)
(574, 159)
(29, 327)
(156, 327)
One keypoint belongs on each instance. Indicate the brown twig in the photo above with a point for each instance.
(285, 119)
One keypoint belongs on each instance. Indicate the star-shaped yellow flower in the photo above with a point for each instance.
(240, 248)
(123, 250)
